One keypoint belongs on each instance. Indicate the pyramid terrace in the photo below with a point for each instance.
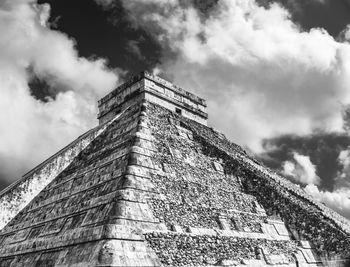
(152, 185)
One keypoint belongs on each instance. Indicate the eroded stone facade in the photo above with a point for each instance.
(156, 188)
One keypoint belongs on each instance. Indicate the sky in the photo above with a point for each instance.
(275, 73)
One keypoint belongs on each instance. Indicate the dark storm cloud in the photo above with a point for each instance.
(107, 33)
(134, 48)
(332, 15)
(266, 73)
(267, 67)
(3, 183)
(41, 90)
(48, 92)
(322, 149)
(205, 6)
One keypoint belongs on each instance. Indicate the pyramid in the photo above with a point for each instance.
(152, 185)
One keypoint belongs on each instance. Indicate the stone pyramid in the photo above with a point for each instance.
(152, 185)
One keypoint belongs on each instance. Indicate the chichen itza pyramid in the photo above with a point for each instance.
(152, 185)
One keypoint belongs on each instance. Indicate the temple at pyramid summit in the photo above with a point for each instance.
(152, 185)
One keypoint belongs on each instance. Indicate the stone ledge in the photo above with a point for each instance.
(141, 151)
(76, 236)
(66, 195)
(144, 136)
(69, 212)
(196, 231)
(45, 173)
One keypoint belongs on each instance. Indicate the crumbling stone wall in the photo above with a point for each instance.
(78, 206)
(198, 190)
(194, 188)
(19, 194)
(184, 249)
(305, 218)
(200, 187)
(193, 195)
(250, 222)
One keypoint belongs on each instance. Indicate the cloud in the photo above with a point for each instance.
(301, 170)
(296, 7)
(323, 149)
(105, 3)
(338, 200)
(133, 48)
(343, 175)
(261, 74)
(32, 130)
(344, 35)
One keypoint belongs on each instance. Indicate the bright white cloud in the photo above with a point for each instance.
(262, 75)
(338, 200)
(32, 130)
(301, 170)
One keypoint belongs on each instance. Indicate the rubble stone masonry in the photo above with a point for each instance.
(152, 187)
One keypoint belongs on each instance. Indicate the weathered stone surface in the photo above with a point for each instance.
(92, 193)
(155, 188)
(18, 195)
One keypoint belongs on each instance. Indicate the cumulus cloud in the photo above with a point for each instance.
(301, 170)
(105, 3)
(338, 200)
(344, 35)
(304, 171)
(32, 130)
(262, 75)
(343, 175)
